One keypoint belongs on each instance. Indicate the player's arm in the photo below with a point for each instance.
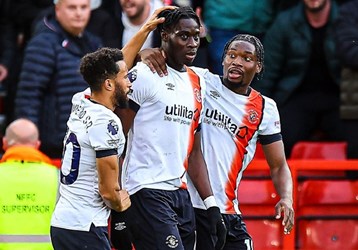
(197, 170)
(131, 49)
(108, 172)
(282, 180)
(198, 174)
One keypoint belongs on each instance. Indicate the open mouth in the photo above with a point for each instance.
(190, 55)
(235, 73)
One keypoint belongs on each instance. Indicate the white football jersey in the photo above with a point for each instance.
(91, 128)
(163, 129)
(231, 124)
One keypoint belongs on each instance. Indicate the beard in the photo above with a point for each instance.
(232, 85)
(119, 97)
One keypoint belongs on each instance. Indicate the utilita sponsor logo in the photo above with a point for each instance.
(181, 111)
(220, 120)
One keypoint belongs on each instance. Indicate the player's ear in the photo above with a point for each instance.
(164, 36)
(258, 68)
(108, 84)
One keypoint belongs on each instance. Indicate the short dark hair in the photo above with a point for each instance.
(259, 48)
(100, 65)
(173, 16)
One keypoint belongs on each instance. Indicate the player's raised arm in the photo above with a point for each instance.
(131, 49)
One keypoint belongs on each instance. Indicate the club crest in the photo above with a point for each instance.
(253, 116)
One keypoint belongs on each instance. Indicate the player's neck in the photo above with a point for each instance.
(176, 66)
(102, 100)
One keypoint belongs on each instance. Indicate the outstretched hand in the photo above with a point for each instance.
(217, 227)
(285, 206)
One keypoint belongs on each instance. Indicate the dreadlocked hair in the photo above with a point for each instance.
(259, 48)
(173, 16)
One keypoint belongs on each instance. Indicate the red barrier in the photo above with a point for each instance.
(304, 165)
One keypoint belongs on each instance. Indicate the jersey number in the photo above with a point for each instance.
(75, 162)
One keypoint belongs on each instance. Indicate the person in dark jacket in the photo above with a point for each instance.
(346, 35)
(303, 72)
(50, 71)
(29, 13)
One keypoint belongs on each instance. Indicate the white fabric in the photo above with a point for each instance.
(231, 124)
(94, 128)
(161, 135)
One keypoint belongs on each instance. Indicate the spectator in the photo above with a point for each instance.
(163, 119)
(346, 35)
(28, 189)
(303, 71)
(130, 15)
(49, 75)
(224, 19)
(29, 13)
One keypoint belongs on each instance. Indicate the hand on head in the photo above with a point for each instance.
(153, 21)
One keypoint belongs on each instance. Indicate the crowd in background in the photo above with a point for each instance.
(310, 58)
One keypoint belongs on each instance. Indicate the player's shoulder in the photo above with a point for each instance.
(80, 95)
(200, 71)
(269, 102)
(210, 80)
(141, 68)
(106, 119)
(140, 72)
(83, 106)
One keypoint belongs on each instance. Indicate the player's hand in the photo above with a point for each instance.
(125, 201)
(217, 227)
(153, 21)
(285, 206)
(155, 59)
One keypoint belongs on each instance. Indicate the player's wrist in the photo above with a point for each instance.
(210, 202)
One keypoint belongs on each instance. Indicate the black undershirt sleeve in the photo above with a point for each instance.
(268, 139)
(105, 153)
